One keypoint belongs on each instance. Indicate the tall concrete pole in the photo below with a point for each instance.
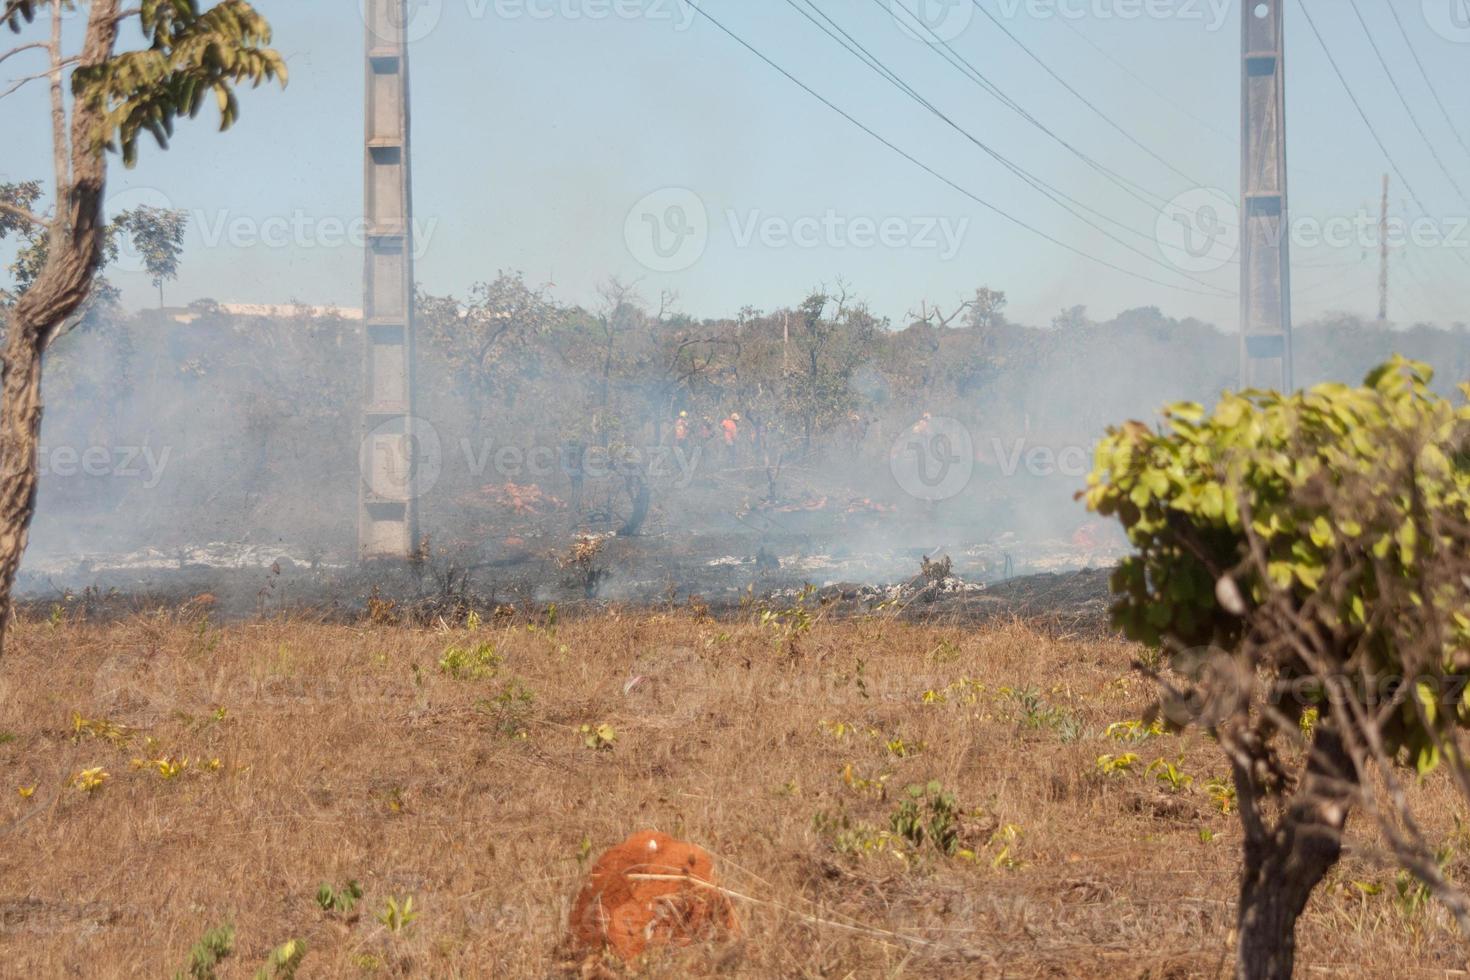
(1383, 257)
(1265, 266)
(387, 523)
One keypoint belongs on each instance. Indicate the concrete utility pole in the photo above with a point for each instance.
(1383, 257)
(387, 521)
(1265, 261)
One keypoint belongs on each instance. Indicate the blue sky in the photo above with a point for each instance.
(542, 127)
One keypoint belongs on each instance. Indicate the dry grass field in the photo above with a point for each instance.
(453, 767)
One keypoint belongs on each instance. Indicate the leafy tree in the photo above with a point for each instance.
(188, 54)
(1296, 554)
(485, 339)
(1072, 318)
(158, 236)
(987, 309)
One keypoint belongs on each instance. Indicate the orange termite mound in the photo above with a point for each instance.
(618, 910)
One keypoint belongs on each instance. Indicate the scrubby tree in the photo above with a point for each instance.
(157, 235)
(1304, 563)
(187, 56)
(987, 309)
(485, 338)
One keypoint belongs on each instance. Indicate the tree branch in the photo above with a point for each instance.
(60, 158)
(19, 83)
(32, 46)
(24, 215)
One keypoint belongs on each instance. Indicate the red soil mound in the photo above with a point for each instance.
(627, 914)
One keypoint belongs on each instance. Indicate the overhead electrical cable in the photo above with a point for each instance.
(945, 50)
(852, 46)
(1018, 222)
(1084, 99)
(1429, 82)
(1409, 109)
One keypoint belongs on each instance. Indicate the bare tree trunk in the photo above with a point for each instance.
(1283, 867)
(20, 434)
(73, 255)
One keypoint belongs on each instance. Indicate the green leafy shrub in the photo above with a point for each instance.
(1303, 563)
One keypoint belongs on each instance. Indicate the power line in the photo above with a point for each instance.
(872, 61)
(1373, 43)
(1359, 106)
(1067, 23)
(928, 169)
(944, 50)
(1083, 99)
(1427, 80)
(1418, 202)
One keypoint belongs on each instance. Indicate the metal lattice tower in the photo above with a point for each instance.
(1265, 266)
(387, 522)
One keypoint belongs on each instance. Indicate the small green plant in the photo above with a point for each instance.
(1117, 765)
(340, 900)
(1222, 794)
(470, 663)
(99, 728)
(928, 814)
(600, 738)
(1037, 714)
(213, 947)
(1135, 731)
(398, 914)
(1170, 775)
(90, 780)
(1007, 837)
(283, 962)
(511, 709)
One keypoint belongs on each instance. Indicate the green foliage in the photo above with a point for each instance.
(1356, 488)
(598, 738)
(470, 663)
(213, 947)
(342, 900)
(158, 236)
(398, 914)
(283, 961)
(190, 54)
(928, 814)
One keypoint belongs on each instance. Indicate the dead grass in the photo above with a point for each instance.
(347, 753)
